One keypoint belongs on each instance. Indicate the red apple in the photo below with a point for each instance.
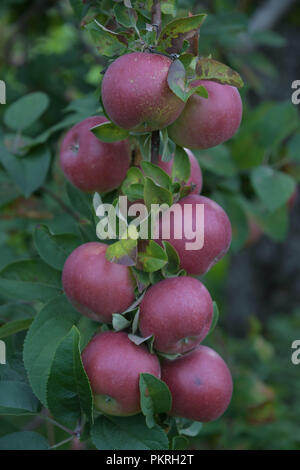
(136, 95)
(92, 165)
(196, 173)
(200, 383)
(96, 287)
(113, 365)
(178, 312)
(207, 122)
(188, 225)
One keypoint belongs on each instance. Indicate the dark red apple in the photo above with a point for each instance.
(136, 95)
(178, 312)
(92, 165)
(96, 287)
(200, 383)
(196, 173)
(207, 122)
(113, 365)
(187, 230)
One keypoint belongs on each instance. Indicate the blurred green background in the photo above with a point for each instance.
(257, 286)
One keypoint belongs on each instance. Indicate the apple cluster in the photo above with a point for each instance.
(176, 311)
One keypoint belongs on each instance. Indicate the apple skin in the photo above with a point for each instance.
(92, 165)
(178, 312)
(96, 287)
(207, 122)
(196, 173)
(136, 95)
(217, 233)
(113, 365)
(200, 383)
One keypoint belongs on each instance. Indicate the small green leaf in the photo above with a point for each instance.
(155, 194)
(155, 397)
(197, 90)
(123, 252)
(119, 322)
(293, 147)
(14, 327)
(80, 201)
(217, 160)
(109, 132)
(138, 340)
(210, 69)
(153, 258)
(107, 42)
(177, 27)
(158, 175)
(54, 249)
(273, 187)
(177, 79)
(114, 433)
(25, 111)
(172, 265)
(179, 443)
(181, 170)
(24, 440)
(192, 430)
(68, 390)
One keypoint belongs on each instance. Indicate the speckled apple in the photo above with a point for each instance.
(200, 383)
(196, 173)
(136, 95)
(92, 165)
(207, 122)
(186, 224)
(113, 364)
(178, 312)
(96, 287)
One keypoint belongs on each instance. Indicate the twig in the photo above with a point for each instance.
(267, 15)
(156, 16)
(62, 443)
(64, 206)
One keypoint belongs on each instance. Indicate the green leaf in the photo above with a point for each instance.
(12, 311)
(175, 28)
(153, 258)
(25, 111)
(179, 443)
(177, 79)
(30, 280)
(123, 252)
(134, 177)
(113, 433)
(158, 175)
(192, 430)
(172, 265)
(293, 147)
(275, 224)
(181, 170)
(29, 172)
(155, 397)
(107, 42)
(215, 318)
(119, 322)
(138, 340)
(68, 391)
(273, 187)
(125, 16)
(48, 329)
(210, 69)
(109, 132)
(155, 194)
(14, 327)
(54, 249)
(78, 8)
(16, 398)
(80, 201)
(217, 160)
(24, 440)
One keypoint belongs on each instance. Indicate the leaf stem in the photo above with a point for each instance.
(62, 443)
